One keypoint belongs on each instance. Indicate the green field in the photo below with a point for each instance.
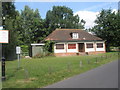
(36, 73)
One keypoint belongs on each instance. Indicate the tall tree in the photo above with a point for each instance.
(108, 27)
(32, 24)
(62, 17)
(0, 13)
(9, 15)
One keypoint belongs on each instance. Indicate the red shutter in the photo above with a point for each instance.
(71, 46)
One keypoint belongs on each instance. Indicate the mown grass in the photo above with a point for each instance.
(37, 73)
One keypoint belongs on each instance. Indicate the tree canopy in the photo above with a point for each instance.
(30, 24)
(62, 17)
(28, 27)
(108, 27)
(9, 15)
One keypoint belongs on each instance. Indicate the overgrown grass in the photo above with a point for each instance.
(36, 73)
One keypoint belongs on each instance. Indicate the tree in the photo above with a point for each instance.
(0, 13)
(62, 17)
(32, 26)
(9, 15)
(108, 28)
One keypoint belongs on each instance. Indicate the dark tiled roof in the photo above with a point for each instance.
(65, 35)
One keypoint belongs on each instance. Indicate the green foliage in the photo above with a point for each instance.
(8, 9)
(9, 15)
(49, 46)
(48, 70)
(24, 48)
(44, 54)
(0, 13)
(32, 26)
(108, 27)
(27, 27)
(62, 17)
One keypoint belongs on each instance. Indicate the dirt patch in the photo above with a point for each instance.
(26, 80)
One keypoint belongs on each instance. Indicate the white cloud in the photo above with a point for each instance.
(88, 16)
(115, 10)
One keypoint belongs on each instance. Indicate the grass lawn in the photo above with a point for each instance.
(40, 72)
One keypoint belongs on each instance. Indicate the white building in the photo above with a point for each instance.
(75, 42)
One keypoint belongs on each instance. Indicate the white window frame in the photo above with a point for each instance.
(60, 49)
(75, 35)
(89, 43)
(99, 47)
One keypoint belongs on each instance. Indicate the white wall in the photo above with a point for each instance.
(66, 50)
(100, 49)
(89, 49)
(94, 47)
(60, 50)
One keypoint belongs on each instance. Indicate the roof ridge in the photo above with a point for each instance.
(67, 29)
(64, 34)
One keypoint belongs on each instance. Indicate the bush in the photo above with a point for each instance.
(49, 46)
(24, 48)
(43, 55)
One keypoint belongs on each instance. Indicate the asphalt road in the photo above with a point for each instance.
(105, 76)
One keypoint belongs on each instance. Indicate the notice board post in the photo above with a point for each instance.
(3, 39)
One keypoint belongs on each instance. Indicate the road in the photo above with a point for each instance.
(105, 76)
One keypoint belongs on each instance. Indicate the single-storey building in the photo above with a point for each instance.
(36, 49)
(75, 42)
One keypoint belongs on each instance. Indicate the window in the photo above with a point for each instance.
(71, 46)
(59, 46)
(99, 45)
(75, 35)
(89, 45)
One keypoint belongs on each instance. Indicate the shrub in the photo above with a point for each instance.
(43, 55)
(48, 46)
(24, 48)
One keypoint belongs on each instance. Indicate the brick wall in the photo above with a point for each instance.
(74, 54)
(65, 54)
(96, 52)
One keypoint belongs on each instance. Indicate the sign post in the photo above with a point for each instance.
(18, 52)
(3, 69)
(3, 39)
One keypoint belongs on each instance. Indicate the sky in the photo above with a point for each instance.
(86, 10)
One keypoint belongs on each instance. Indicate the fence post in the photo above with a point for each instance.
(96, 60)
(80, 63)
(118, 55)
(106, 56)
(3, 69)
(50, 70)
(18, 61)
(101, 57)
(26, 74)
(88, 61)
(69, 66)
